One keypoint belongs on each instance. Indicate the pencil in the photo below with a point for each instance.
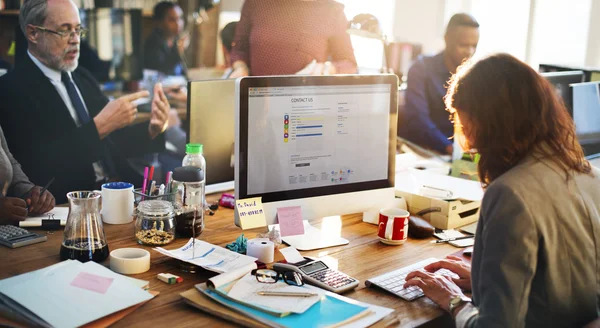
(291, 294)
(450, 239)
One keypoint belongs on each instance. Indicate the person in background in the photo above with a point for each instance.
(88, 57)
(4, 65)
(277, 37)
(163, 49)
(18, 193)
(424, 118)
(227, 36)
(57, 121)
(535, 260)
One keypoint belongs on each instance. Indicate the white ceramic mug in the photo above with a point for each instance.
(117, 202)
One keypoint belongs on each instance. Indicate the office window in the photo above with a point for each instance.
(560, 32)
(369, 52)
(503, 24)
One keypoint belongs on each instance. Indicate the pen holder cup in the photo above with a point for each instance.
(139, 196)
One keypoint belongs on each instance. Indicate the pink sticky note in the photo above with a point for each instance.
(290, 221)
(92, 282)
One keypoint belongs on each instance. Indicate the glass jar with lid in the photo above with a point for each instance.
(155, 223)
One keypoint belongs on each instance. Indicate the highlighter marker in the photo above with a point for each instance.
(145, 183)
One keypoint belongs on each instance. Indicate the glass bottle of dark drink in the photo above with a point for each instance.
(189, 185)
(84, 238)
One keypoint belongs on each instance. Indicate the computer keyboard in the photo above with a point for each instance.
(393, 281)
(13, 237)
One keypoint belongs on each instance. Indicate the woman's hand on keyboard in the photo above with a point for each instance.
(438, 288)
(456, 265)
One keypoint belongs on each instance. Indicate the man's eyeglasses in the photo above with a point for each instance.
(65, 35)
(271, 276)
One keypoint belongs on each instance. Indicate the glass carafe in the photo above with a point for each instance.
(84, 238)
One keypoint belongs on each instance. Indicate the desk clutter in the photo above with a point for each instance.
(250, 288)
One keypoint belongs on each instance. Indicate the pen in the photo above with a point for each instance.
(145, 183)
(292, 294)
(161, 190)
(168, 182)
(450, 239)
(152, 188)
(151, 174)
(46, 186)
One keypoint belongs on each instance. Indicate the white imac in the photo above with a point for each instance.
(210, 122)
(325, 143)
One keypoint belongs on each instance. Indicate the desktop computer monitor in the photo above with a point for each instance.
(586, 114)
(325, 143)
(561, 82)
(210, 122)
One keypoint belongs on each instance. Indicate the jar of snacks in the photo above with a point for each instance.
(155, 223)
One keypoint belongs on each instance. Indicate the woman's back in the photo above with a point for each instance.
(537, 250)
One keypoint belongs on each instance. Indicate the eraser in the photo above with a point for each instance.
(169, 278)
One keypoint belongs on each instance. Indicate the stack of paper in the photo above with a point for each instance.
(233, 296)
(208, 256)
(332, 311)
(70, 294)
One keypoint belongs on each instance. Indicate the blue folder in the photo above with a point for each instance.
(327, 312)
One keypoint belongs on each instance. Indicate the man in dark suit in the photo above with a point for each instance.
(56, 120)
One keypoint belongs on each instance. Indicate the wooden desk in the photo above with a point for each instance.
(364, 257)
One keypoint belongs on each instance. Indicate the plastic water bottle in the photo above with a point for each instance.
(194, 157)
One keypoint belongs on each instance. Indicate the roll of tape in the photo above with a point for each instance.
(130, 260)
(261, 248)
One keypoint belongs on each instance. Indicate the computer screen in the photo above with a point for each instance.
(211, 123)
(561, 82)
(303, 138)
(586, 112)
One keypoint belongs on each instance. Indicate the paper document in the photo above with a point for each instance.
(314, 238)
(225, 278)
(71, 293)
(246, 290)
(57, 213)
(451, 233)
(291, 255)
(208, 256)
(412, 181)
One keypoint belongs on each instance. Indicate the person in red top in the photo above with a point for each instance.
(279, 37)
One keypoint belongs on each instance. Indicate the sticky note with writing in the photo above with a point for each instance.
(290, 221)
(251, 213)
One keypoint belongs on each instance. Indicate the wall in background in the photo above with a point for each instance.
(420, 22)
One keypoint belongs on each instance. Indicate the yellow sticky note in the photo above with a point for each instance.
(250, 212)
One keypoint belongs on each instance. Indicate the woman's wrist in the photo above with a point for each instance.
(457, 310)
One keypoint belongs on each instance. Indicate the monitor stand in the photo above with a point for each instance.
(313, 238)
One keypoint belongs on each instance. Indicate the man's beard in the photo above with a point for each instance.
(57, 62)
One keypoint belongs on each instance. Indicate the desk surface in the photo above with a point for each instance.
(363, 258)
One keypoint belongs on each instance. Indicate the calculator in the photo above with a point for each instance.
(317, 273)
(13, 237)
